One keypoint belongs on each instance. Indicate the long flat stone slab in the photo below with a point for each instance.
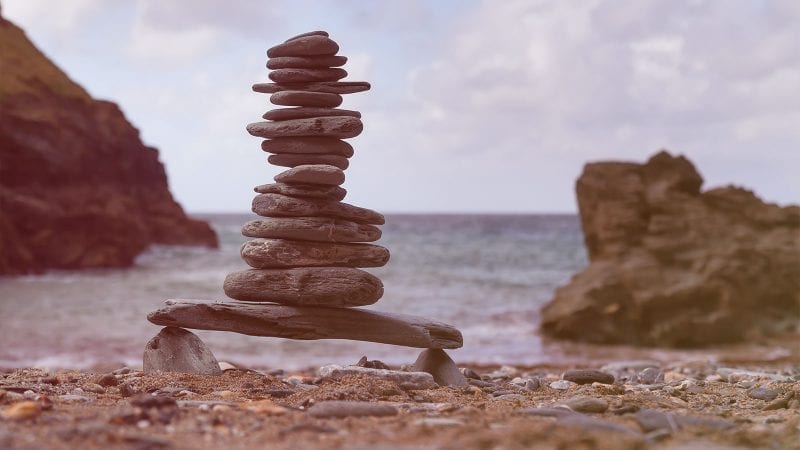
(277, 205)
(319, 229)
(408, 380)
(320, 192)
(340, 127)
(305, 286)
(332, 87)
(308, 323)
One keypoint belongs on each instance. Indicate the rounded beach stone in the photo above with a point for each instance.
(305, 286)
(341, 127)
(306, 62)
(308, 145)
(276, 205)
(305, 112)
(307, 75)
(588, 376)
(312, 174)
(304, 98)
(587, 404)
(318, 191)
(178, 350)
(279, 253)
(333, 87)
(289, 160)
(309, 33)
(319, 229)
(309, 45)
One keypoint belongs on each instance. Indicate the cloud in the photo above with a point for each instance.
(60, 18)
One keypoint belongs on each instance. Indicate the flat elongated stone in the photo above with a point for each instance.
(289, 160)
(318, 191)
(588, 376)
(320, 229)
(341, 127)
(305, 98)
(276, 205)
(277, 253)
(305, 286)
(312, 174)
(307, 145)
(306, 62)
(306, 112)
(307, 75)
(308, 323)
(308, 33)
(308, 45)
(409, 380)
(342, 408)
(334, 87)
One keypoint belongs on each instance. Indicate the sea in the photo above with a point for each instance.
(487, 275)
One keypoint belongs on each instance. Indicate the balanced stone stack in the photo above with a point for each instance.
(307, 249)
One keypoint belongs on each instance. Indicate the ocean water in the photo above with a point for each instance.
(488, 275)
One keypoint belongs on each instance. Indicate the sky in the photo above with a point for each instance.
(476, 106)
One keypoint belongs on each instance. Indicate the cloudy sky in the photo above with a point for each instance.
(476, 106)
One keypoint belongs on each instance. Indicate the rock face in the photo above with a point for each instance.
(674, 266)
(78, 189)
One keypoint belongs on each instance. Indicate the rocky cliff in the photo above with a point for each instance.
(673, 266)
(78, 189)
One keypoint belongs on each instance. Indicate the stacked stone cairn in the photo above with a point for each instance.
(307, 248)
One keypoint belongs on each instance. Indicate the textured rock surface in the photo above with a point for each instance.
(341, 127)
(305, 286)
(290, 160)
(307, 75)
(276, 205)
(674, 266)
(408, 380)
(309, 45)
(312, 174)
(319, 229)
(342, 408)
(177, 350)
(304, 98)
(306, 112)
(305, 62)
(334, 87)
(307, 323)
(275, 253)
(78, 188)
(305, 145)
(437, 363)
(331, 193)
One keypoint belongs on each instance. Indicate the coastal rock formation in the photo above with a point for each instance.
(78, 188)
(305, 279)
(674, 266)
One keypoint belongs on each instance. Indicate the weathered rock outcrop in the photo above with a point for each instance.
(674, 266)
(78, 189)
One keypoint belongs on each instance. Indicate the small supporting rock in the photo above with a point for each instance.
(177, 350)
(437, 363)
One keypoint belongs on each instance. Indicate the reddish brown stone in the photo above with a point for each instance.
(318, 191)
(276, 205)
(304, 113)
(305, 286)
(305, 98)
(312, 174)
(308, 145)
(342, 127)
(290, 160)
(282, 253)
(320, 229)
(308, 33)
(305, 46)
(307, 75)
(333, 87)
(306, 62)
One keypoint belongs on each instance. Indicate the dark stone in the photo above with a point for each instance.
(312, 174)
(309, 45)
(307, 75)
(340, 127)
(107, 380)
(178, 350)
(305, 98)
(333, 87)
(308, 145)
(588, 376)
(305, 112)
(765, 394)
(290, 160)
(315, 191)
(281, 253)
(276, 205)
(374, 364)
(587, 404)
(437, 363)
(306, 62)
(320, 229)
